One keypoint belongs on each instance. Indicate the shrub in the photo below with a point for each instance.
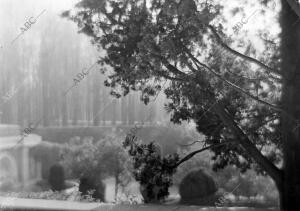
(48, 154)
(91, 161)
(93, 187)
(150, 169)
(56, 177)
(198, 188)
(86, 157)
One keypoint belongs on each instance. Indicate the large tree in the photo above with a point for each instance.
(248, 115)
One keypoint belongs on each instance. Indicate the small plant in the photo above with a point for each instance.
(56, 177)
(150, 169)
(92, 188)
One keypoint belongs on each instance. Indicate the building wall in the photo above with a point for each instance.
(22, 168)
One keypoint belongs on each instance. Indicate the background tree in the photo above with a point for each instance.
(34, 82)
(148, 42)
(94, 161)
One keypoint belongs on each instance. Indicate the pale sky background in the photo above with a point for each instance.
(15, 14)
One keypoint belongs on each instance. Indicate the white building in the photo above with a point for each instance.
(18, 168)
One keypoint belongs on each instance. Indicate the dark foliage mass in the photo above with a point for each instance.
(48, 154)
(147, 44)
(150, 169)
(92, 186)
(197, 188)
(56, 177)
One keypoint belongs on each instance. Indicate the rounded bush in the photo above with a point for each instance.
(56, 177)
(89, 185)
(198, 188)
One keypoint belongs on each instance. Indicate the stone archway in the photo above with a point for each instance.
(8, 171)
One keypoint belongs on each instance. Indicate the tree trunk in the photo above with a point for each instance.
(64, 111)
(76, 109)
(114, 112)
(124, 110)
(116, 186)
(131, 109)
(21, 105)
(45, 98)
(96, 101)
(88, 103)
(64, 98)
(290, 66)
(105, 106)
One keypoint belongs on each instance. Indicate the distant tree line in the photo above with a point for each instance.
(36, 74)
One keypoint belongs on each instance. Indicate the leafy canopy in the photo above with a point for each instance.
(148, 43)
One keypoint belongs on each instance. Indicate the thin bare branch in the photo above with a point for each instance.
(191, 144)
(239, 89)
(192, 154)
(244, 77)
(248, 58)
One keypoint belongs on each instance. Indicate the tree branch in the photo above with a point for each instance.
(295, 6)
(248, 58)
(171, 78)
(246, 143)
(187, 145)
(192, 154)
(226, 118)
(239, 89)
(244, 77)
(169, 66)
